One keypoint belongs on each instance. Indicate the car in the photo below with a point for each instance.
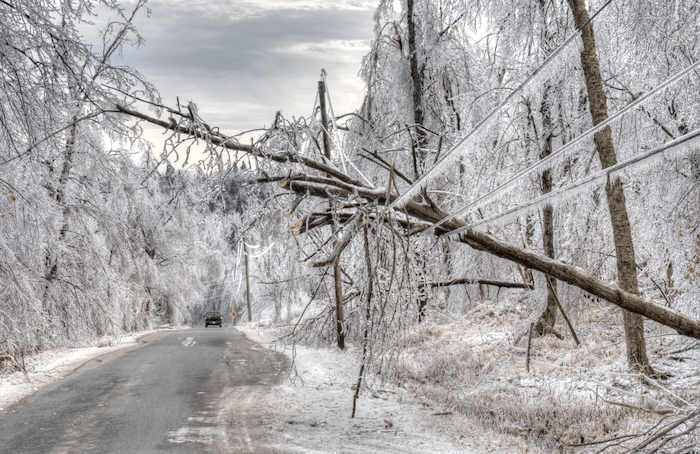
(212, 318)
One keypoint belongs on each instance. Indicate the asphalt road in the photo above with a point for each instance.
(173, 394)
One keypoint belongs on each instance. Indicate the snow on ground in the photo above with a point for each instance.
(461, 387)
(572, 395)
(572, 399)
(51, 366)
(308, 413)
(311, 412)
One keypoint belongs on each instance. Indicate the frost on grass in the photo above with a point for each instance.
(573, 399)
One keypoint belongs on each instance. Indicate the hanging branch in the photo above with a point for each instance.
(368, 315)
(561, 309)
(376, 158)
(343, 242)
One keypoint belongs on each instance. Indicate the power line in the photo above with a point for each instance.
(683, 140)
(576, 141)
(455, 150)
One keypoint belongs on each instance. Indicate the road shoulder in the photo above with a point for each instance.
(49, 368)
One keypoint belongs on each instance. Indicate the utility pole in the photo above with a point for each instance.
(247, 280)
(324, 119)
(337, 272)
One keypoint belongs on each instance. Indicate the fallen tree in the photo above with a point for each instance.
(413, 217)
(484, 242)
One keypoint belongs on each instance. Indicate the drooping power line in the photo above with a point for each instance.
(459, 148)
(580, 184)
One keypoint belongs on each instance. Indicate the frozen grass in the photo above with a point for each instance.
(311, 411)
(470, 365)
(573, 398)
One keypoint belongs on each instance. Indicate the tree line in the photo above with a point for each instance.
(100, 233)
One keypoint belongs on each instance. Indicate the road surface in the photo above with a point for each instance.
(177, 394)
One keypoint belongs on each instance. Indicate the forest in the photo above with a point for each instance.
(520, 188)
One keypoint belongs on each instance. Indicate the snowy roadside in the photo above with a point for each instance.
(307, 413)
(310, 412)
(51, 366)
(572, 398)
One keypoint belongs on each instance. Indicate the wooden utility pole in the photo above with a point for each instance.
(324, 119)
(337, 272)
(247, 280)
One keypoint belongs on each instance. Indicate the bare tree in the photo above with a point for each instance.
(622, 231)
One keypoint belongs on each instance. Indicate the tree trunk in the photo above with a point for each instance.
(339, 311)
(574, 276)
(622, 232)
(368, 317)
(463, 281)
(420, 137)
(548, 318)
(247, 280)
(417, 86)
(483, 242)
(52, 259)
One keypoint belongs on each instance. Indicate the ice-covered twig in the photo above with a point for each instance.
(561, 151)
(343, 241)
(651, 439)
(649, 403)
(668, 391)
(631, 407)
(561, 309)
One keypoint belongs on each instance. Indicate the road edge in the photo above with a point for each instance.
(33, 389)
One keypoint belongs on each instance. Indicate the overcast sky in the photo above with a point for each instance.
(241, 61)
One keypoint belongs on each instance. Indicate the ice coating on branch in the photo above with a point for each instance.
(570, 147)
(464, 144)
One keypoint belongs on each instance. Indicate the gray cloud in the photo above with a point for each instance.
(242, 61)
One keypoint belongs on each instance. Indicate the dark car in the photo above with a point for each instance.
(212, 318)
